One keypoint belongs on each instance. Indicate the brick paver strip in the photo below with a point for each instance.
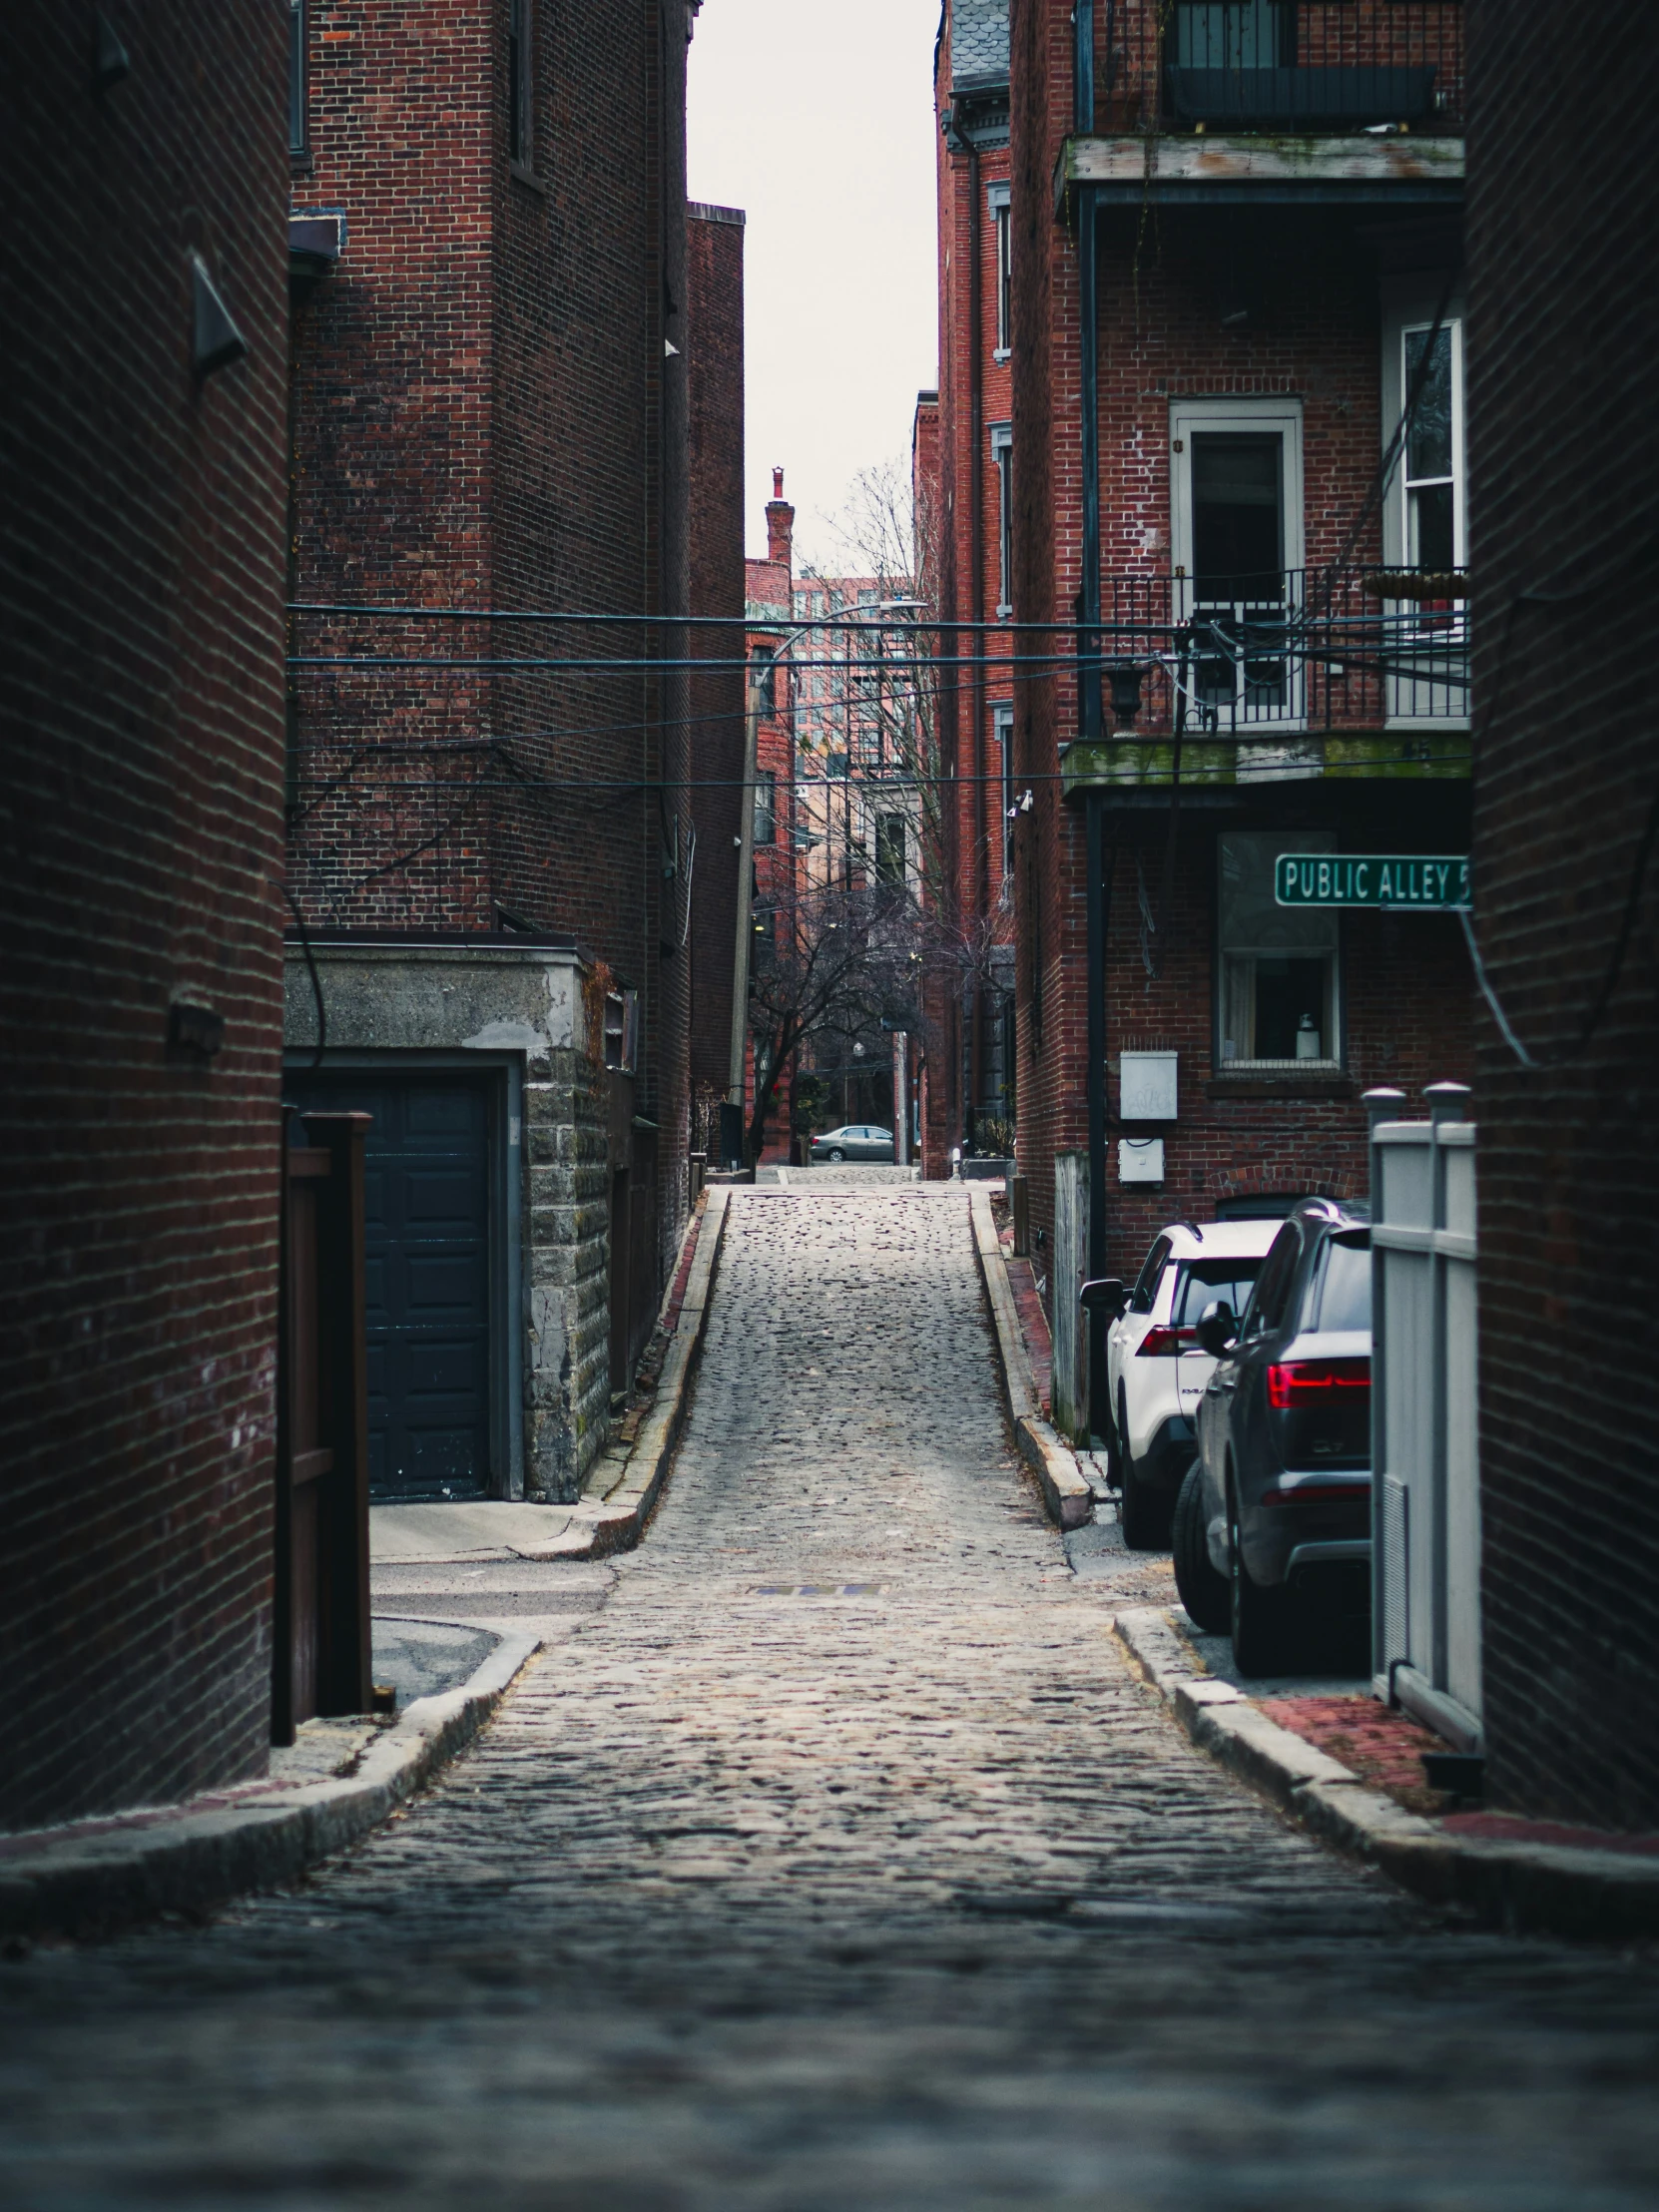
(912, 1900)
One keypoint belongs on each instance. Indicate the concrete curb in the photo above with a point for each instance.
(616, 1521)
(92, 1879)
(1065, 1493)
(1534, 1887)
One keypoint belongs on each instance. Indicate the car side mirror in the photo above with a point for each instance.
(1218, 1329)
(1105, 1295)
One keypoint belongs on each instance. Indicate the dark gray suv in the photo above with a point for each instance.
(1273, 1524)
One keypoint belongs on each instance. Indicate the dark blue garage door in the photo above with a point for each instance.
(427, 1207)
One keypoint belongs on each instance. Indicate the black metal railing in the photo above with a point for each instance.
(1296, 65)
(1308, 650)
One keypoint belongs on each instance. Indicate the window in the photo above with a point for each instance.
(1002, 454)
(1273, 1285)
(1424, 515)
(1146, 1282)
(1236, 542)
(1002, 219)
(764, 662)
(1343, 1299)
(766, 806)
(1277, 1002)
(520, 144)
(889, 849)
(1203, 1281)
(622, 1018)
(1002, 724)
(297, 75)
(1235, 34)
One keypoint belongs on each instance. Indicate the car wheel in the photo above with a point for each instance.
(836, 1153)
(1257, 1617)
(1142, 1513)
(1203, 1592)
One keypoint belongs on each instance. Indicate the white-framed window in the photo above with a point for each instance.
(1278, 974)
(891, 850)
(1425, 508)
(997, 199)
(766, 806)
(1236, 552)
(1002, 729)
(520, 139)
(1002, 457)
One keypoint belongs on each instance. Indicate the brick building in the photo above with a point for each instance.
(140, 792)
(714, 369)
(963, 449)
(1565, 463)
(491, 835)
(1234, 268)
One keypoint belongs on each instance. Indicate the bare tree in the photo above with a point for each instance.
(841, 964)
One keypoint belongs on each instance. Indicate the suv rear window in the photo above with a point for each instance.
(1204, 1279)
(1343, 1293)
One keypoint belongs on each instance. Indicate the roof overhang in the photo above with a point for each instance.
(1202, 170)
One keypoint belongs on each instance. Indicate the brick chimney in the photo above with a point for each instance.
(780, 526)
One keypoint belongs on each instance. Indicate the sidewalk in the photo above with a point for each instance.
(1347, 1769)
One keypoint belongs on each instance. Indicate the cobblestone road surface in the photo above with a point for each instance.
(905, 1899)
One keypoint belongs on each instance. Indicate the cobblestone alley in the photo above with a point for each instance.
(837, 1861)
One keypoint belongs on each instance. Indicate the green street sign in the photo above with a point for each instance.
(1423, 882)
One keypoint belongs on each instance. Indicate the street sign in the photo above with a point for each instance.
(1424, 883)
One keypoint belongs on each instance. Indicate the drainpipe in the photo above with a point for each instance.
(976, 610)
(1088, 677)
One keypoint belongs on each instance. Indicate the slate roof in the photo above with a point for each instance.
(979, 42)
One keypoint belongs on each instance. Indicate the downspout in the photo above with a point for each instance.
(1088, 677)
(976, 610)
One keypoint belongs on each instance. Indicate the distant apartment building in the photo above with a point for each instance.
(491, 840)
(1235, 539)
(141, 822)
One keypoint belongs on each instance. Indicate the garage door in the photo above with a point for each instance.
(427, 1222)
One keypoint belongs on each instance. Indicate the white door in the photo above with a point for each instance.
(1237, 550)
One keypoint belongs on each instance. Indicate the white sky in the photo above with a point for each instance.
(816, 117)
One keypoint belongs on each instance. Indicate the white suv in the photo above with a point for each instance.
(1155, 1370)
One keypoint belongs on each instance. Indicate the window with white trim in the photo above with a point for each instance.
(1425, 508)
(1235, 547)
(1002, 455)
(997, 197)
(1279, 998)
(1002, 724)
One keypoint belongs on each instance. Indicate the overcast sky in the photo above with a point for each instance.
(817, 120)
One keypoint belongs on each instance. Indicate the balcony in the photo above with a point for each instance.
(1295, 66)
(1314, 652)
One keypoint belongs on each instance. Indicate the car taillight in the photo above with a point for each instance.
(1318, 1493)
(1162, 1343)
(1313, 1383)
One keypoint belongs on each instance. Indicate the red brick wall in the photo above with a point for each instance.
(486, 413)
(1310, 282)
(715, 365)
(1565, 498)
(140, 848)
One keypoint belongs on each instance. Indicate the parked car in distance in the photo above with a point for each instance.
(1156, 1369)
(1282, 1515)
(858, 1140)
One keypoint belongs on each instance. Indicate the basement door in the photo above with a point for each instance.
(427, 1225)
